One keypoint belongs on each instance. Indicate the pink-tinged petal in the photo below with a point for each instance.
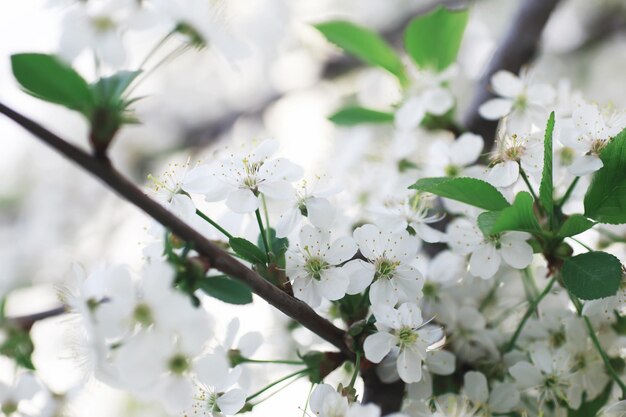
(378, 345)
(496, 108)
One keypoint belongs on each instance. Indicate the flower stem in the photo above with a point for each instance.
(529, 312)
(568, 193)
(582, 244)
(155, 48)
(357, 368)
(263, 235)
(265, 388)
(267, 222)
(214, 224)
(530, 188)
(594, 338)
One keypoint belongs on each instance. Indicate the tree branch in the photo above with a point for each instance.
(517, 48)
(219, 259)
(26, 322)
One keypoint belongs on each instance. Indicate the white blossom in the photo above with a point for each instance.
(387, 266)
(402, 330)
(521, 101)
(314, 266)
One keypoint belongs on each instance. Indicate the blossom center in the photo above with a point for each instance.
(143, 314)
(385, 268)
(452, 170)
(178, 364)
(9, 408)
(314, 266)
(597, 146)
(406, 337)
(103, 24)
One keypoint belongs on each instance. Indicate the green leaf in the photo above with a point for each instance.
(433, 40)
(592, 275)
(364, 44)
(486, 221)
(605, 200)
(350, 116)
(110, 89)
(279, 244)
(226, 289)
(50, 79)
(471, 191)
(519, 216)
(546, 188)
(247, 250)
(574, 225)
(18, 346)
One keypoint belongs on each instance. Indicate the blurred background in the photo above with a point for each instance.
(52, 214)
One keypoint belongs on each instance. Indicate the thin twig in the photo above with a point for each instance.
(516, 49)
(219, 259)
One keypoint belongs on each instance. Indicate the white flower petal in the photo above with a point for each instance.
(507, 84)
(242, 201)
(466, 149)
(232, 401)
(503, 174)
(378, 345)
(485, 261)
(585, 164)
(475, 386)
(496, 108)
(410, 114)
(517, 254)
(410, 366)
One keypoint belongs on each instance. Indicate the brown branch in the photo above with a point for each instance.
(518, 47)
(219, 259)
(26, 322)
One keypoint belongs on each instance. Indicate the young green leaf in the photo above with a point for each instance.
(546, 188)
(350, 116)
(50, 79)
(592, 275)
(247, 250)
(364, 44)
(226, 289)
(519, 216)
(486, 221)
(605, 200)
(471, 191)
(433, 40)
(111, 89)
(574, 225)
(279, 244)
